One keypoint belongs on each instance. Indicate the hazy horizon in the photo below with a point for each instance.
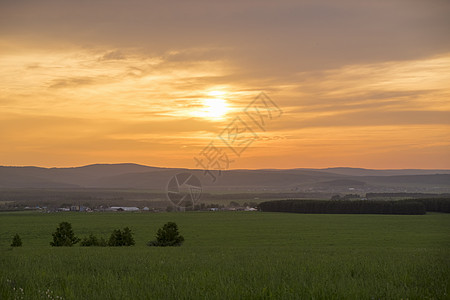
(230, 169)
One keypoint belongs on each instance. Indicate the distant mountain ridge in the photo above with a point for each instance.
(135, 176)
(388, 172)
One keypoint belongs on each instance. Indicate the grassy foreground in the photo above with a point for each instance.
(231, 255)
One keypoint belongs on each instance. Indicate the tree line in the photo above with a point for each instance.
(344, 207)
(434, 204)
(406, 195)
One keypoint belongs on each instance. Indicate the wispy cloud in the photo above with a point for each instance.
(101, 103)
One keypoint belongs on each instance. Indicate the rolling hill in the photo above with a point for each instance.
(134, 176)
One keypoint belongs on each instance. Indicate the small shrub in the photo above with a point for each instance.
(64, 236)
(166, 236)
(16, 241)
(92, 240)
(121, 238)
(127, 237)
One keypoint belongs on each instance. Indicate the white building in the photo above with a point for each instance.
(124, 208)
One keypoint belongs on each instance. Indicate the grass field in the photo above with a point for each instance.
(231, 255)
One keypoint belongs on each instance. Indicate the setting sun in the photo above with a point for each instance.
(214, 108)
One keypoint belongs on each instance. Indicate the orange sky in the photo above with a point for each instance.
(89, 84)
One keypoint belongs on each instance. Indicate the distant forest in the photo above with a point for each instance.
(400, 207)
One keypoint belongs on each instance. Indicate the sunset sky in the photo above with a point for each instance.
(359, 83)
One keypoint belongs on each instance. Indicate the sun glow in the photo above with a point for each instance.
(214, 108)
(216, 93)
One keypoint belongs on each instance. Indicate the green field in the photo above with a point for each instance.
(231, 255)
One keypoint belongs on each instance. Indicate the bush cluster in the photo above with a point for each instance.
(64, 236)
(168, 235)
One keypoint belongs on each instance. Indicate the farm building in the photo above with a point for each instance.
(124, 208)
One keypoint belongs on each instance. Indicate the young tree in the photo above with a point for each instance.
(127, 237)
(116, 238)
(168, 235)
(16, 241)
(64, 236)
(121, 238)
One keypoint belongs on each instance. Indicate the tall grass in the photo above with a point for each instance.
(231, 256)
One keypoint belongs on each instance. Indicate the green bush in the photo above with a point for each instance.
(168, 235)
(120, 238)
(16, 241)
(92, 240)
(64, 236)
